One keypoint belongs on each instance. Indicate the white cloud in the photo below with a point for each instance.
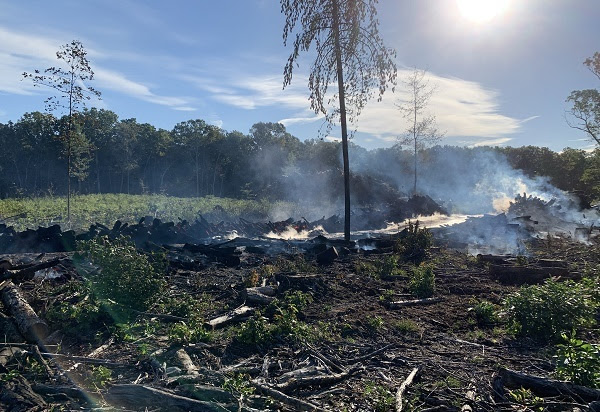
(462, 108)
(253, 91)
(36, 52)
(301, 119)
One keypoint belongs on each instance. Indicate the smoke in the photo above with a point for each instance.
(464, 181)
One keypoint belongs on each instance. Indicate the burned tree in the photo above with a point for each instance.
(350, 51)
(422, 130)
(69, 82)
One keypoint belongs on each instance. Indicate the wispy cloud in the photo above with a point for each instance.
(37, 52)
(462, 108)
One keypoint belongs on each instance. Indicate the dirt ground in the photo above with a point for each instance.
(359, 351)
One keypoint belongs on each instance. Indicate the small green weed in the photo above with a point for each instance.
(285, 323)
(380, 398)
(486, 313)
(191, 332)
(367, 269)
(100, 376)
(239, 385)
(375, 322)
(526, 397)
(407, 327)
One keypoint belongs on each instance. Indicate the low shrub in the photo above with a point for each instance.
(422, 281)
(549, 310)
(415, 243)
(486, 313)
(126, 277)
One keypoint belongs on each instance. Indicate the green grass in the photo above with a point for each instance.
(107, 208)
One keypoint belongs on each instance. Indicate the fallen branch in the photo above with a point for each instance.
(415, 302)
(297, 404)
(304, 381)
(547, 387)
(235, 315)
(400, 392)
(370, 355)
(140, 396)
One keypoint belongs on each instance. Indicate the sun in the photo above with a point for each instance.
(481, 11)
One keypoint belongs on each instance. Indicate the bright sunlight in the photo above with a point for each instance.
(481, 11)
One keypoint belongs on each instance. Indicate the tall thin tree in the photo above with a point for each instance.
(422, 129)
(69, 81)
(350, 52)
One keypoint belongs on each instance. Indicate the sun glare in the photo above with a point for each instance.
(481, 11)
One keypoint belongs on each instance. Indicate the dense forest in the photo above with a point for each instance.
(198, 159)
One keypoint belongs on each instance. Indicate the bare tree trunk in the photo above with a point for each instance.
(342, 97)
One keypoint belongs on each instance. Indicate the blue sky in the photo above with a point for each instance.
(500, 82)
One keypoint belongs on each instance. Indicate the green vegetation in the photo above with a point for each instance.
(422, 281)
(407, 327)
(549, 310)
(279, 320)
(414, 244)
(100, 376)
(578, 362)
(126, 276)
(191, 332)
(380, 397)
(107, 208)
(486, 313)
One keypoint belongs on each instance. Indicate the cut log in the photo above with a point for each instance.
(235, 315)
(547, 387)
(400, 392)
(305, 381)
(519, 275)
(186, 362)
(139, 397)
(496, 259)
(256, 296)
(415, 302)
(29, 324)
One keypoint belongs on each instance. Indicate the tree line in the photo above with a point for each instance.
(195, 159)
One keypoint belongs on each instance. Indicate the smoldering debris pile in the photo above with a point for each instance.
(527, 217)
(149, 231)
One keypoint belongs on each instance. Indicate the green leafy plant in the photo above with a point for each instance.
(407, 326)
(526, 397)
(422, 281)
(368, 269)
(192, 332)
(127, 277)
(549, 310)
(375, 322)
(414, 243)
(381, 398)
(100, 376)
(285, 323)
(388, 267)
(486, 313)
(238, 385)
(578, 361)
